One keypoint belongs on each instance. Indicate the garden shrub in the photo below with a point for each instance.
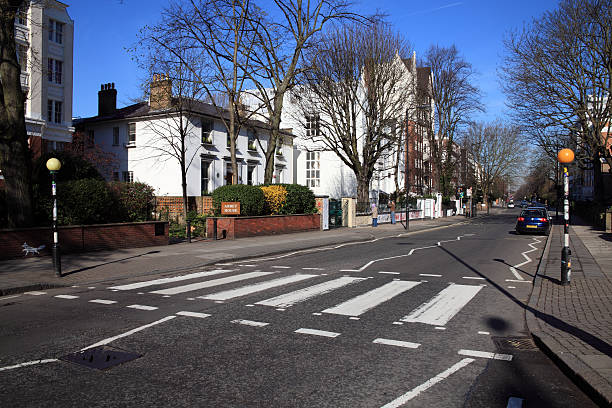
(276, 197)
(73, 168)
(136, 200)
(251, 198)
(86, 201)
(300, 199)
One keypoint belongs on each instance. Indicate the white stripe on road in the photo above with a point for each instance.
(258, 287)
(291, 298)
(29, 363)
(429, 274)
(362, 303)
(193, 314)
(518, 281)
(397, 343)
(473, 277)
(315, 332)
(142, 307)
(162, 281)
(485, 354)
(208, 284)
(250, 323)
(313, 269)
(515, 273)
(281, 267)
(398, 402)
(389, 273)
(128, 333)
(103, 301)
(66, 296)
(9, 297)
(444, 306)
(35, 293)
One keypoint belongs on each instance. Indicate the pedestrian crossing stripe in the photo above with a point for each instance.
(258, 287)
(444, 306)
(208, 284)
(138, 285)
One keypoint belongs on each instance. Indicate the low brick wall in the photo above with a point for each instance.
(241, 227)
(85, 238)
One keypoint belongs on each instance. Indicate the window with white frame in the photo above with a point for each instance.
(56, 31)
(251, 136)
(205, 175)
(115, 136)
(313, 125)
(207, 128)
(54, 111)
(313, 164)
(54, 70)
(251, 174)
(131, 133)
(22, 16)
(128, 176)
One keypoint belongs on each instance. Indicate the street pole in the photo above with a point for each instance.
(54, 165)
(566, 156)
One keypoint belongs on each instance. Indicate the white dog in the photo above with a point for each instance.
(28, 249)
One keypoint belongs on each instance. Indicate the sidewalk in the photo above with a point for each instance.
(35, 272)
(573, 323)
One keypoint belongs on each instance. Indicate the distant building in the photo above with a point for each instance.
(44, 35)
(141, 138)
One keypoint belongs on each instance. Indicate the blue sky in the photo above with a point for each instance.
(104, 29)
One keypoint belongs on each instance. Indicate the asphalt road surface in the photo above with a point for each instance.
(427, 319)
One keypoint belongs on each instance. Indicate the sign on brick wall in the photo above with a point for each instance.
(230, 208)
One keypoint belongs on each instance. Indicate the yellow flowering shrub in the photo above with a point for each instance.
(276, 197)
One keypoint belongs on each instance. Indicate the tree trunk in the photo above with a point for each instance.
(15, 159)
(275, 120)
(363, 191)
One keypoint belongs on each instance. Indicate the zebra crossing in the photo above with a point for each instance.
(436, 311)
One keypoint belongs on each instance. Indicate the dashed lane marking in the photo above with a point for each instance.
(485, 354)
(250, 323)
(315, 332)
(35, 293)
(193, 314)
(396, 343)
(29, 363)
(66, 296)
(103, 301)
(142, 307)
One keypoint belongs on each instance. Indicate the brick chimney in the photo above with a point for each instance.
(107, 99)
(161, 92)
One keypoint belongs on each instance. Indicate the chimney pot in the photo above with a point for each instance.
(107, 99)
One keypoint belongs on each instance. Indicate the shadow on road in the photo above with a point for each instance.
(108, 263)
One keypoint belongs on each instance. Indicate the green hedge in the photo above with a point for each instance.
(300, 200)
(251, 198)
(136, 200)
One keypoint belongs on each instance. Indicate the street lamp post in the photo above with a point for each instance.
(54, 165)
(565, 156)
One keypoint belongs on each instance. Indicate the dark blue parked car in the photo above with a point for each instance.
(533, 220)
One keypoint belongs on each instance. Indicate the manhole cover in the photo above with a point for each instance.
(101, 357)
(510, 344)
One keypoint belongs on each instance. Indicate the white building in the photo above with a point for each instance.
(322, 170)
(44, 35)
(143, 138)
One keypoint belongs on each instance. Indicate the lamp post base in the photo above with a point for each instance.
(566, 266)
(57, 260)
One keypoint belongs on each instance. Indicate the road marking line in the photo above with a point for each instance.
(350, 270)
(301, 295)
(397, 343)
(128, 333)
(362, 303)
(250, 323)
(161, 281)
(257, 287)
(429, 274)
(514, 402)
(515, 273)
(35, 293)
(484, 332)
(166, 296)
(317, 314)
(511, 287)
(29, 363)
(444, 306)
(114, 290)
(281, 267)
(528, 259)
(193, 314)
(91, 287)
(224, 264)
(428, 384)
(208, 284)
(398, 323)
(485, 354)
(103, 302)
(74, 286)
(317, 332)
(518, 281)
(473, 277)
(66, 296)
(280, 309)
(389, 273)
(353, 318)
(250, 305)
(440, 328)
(248, 266)
(142, 307)
(190, 298)
(313, 269)
(9, 297)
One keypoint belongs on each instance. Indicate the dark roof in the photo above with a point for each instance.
(423, 75)
(143, 110)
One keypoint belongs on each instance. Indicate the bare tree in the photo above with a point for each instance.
(354, 92)
(498, 151)
(275, 64)
(15, 160)
(455, 98)
(219, 39)
(557, 74)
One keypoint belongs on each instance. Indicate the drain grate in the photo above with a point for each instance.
(101, 357)
(509, 344)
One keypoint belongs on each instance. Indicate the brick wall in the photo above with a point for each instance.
(85, 238)
(241, 227)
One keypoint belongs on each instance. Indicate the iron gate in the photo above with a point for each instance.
(335, 213)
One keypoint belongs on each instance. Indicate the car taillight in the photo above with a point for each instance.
(521, 219)
(542, 220)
